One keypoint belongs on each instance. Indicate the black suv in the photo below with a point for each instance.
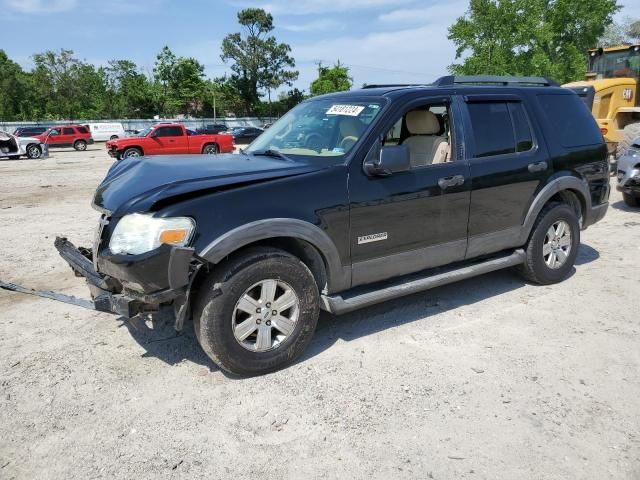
(397, 189)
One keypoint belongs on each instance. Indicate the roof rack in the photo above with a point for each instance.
(451, 80)
(394, 85)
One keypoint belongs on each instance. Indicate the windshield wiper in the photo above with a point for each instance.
(269, 153)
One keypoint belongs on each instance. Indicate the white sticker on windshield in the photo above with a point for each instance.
(350, 110)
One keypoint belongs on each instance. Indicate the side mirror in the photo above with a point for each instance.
(393, 159)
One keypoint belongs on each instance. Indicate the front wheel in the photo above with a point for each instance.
(131, 153)
(210, 150)
(631, 200)
(80, 145)
(553, 246)
(34, 152)
(257, 313)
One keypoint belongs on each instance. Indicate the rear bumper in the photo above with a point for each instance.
(131, 284)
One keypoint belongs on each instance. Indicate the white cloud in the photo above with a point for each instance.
(315, 25)
(306, 7)
(40, 6)
(412, 55)
(437, 13)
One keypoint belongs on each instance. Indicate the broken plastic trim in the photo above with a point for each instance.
(60, 297)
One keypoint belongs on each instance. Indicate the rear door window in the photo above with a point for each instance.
(500, 128)
(68, 131)
(570, 120)
(492, 129)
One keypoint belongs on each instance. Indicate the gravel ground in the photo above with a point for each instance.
(490, 378)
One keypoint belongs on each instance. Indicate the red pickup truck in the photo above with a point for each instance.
(169, 139)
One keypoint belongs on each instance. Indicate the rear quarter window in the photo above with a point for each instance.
(570, 120)
(83, 130)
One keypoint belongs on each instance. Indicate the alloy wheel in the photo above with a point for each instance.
(265, 315)
(557, 244)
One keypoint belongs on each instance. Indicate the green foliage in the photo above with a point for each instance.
(331, 79)
(618, 33)
(529, 37)
(258, 61)
(62, 87)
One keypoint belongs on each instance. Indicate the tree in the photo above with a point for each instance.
(66, 86)
(14, 90)
(619, 33)
(529, 37)
(128, 91)
(334, 79)
(258, 61)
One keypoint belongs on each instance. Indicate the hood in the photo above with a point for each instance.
(138, 184)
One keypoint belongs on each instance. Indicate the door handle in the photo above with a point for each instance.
(537, 167)
(453, 181)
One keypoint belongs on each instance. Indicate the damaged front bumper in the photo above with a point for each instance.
(131, 284)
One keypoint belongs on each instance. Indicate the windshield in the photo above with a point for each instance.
(620, 63)
(144, 133)
(319, 128)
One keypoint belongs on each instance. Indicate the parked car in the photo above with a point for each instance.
(245, 135)
(14, 147)
(169, 139)
(628, 174)
(101, 132)
(76, 136)
(29, 131)
(213, 129)
(410, 187)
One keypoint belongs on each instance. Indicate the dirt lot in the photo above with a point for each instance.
(490, 378)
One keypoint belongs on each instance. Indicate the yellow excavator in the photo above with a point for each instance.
(611, 91)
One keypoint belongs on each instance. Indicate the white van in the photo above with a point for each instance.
(101, 132)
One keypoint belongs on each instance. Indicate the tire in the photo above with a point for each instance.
(132, 152)
(210, 149)
(631, 200)
(629, 134)
(80, 145)
(113, 137)
(537, 267)
(34, 152)
(217, 309)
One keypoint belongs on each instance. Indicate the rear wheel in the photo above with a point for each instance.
(257, 313)
(553, 246)
(629, 134)
(34, 152)
(631, 200)
(80, 145)
(132, 152)
(210, 149)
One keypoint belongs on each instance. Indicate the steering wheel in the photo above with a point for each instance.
(313, 142)
(345, 142)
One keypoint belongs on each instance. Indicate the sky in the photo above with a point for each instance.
(381, 41)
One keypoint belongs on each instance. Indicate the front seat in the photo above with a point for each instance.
(425, 145)
(350, 130)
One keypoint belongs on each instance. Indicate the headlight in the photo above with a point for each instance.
(138, 233)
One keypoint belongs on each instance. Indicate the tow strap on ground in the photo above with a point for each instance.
(60, 297)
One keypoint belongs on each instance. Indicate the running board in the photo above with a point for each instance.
(362, 297)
